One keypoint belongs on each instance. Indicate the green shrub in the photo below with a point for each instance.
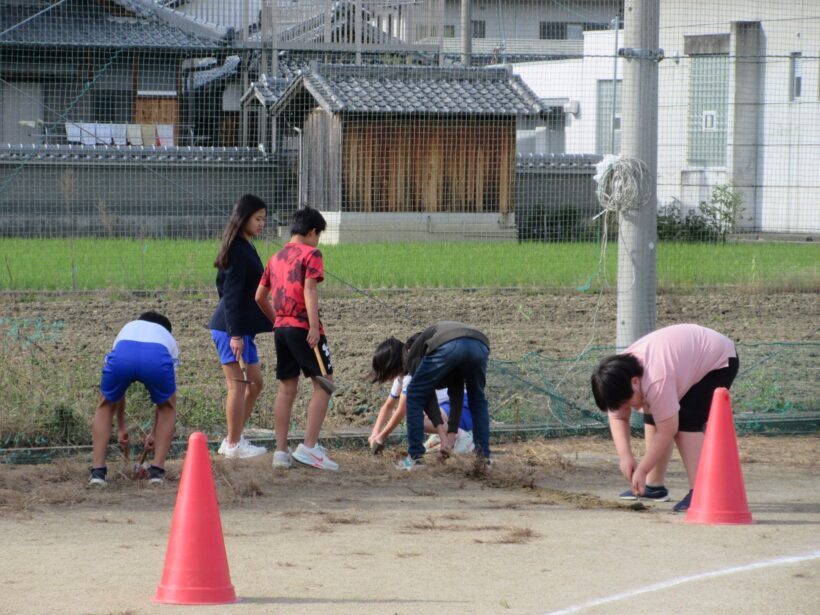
(712, 222)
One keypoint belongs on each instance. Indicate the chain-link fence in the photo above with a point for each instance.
(129, 127)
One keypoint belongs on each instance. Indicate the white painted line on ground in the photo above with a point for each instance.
(778, 561)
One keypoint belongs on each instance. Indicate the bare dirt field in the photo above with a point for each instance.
(53, 347)
(544, 532)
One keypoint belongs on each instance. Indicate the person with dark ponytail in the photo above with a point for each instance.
(237, 319)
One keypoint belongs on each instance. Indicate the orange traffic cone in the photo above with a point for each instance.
(196, 566)
(719, 495)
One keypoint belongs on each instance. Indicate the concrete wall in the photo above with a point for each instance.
(773, 142)
(343, 227)
(81, 198)
(576, 80)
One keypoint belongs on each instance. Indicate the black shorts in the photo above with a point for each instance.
(695, 405)
(293, 354)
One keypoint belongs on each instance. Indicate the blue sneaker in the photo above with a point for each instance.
(97, 477)
(650, 492)
(683, 505)
(408, 464)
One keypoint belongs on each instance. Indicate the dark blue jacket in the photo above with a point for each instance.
(237, 312)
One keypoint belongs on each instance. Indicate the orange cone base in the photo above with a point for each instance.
(718, 517)
(195, 595)
(719, 496)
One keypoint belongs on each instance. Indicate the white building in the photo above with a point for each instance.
(739, 101)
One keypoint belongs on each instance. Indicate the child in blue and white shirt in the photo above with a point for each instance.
(144, 351)
(394, 407)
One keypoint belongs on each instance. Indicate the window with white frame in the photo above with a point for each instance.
(449, 31)
(708, 110)
(608, 124)
(796, 76)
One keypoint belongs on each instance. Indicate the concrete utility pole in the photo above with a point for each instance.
(639, 138)
(466, 31)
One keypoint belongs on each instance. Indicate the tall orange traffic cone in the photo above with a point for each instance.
(719, 495)
(196, 566)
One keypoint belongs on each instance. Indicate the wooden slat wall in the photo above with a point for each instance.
(427, 164)
(320, 185)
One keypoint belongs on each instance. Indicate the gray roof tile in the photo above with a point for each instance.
(85, 23)
(410, 89)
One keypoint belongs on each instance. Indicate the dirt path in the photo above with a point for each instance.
(543, 533)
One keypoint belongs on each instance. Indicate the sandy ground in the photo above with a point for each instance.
(543, 532)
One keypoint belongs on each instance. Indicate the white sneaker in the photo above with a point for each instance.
(282, 459)
(315, 457)
(243, 450)
(464, 442)
(222, 446)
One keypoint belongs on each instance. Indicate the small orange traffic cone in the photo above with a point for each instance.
(719, 495)
(196, 566)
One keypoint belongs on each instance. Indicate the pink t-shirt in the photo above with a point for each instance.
(674, 359)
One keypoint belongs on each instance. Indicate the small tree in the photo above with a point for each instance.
(723, 209)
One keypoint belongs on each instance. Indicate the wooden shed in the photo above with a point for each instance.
(405, 138)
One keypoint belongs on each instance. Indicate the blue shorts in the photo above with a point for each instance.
(466, 422)
(148, 363)
(226, 355)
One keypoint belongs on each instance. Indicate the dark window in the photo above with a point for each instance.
(796, 76)
(479, 29)
(552, 30)
(449, 31)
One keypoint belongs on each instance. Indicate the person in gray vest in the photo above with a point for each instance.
(446, 355)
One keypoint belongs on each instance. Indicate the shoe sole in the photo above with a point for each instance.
(632, 498)
(318, 466)
(227, 456)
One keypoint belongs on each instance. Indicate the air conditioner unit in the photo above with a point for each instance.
(573, 107)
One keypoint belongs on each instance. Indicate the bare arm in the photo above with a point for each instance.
(619, 427)
(262, 294)
(312, 306)
(664, 434)
(396, 419)
(384, 413)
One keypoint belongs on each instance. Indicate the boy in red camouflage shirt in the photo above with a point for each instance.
(292, 276)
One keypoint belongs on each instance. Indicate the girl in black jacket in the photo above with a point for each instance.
(237, 319)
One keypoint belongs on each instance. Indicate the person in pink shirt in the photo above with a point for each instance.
(670, 376)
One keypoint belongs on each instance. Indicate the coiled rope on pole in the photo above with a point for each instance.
(621, 184)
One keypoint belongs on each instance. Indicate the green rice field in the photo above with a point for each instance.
(124, 264)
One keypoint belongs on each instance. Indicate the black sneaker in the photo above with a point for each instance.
(650, 492)
(97, 477)
(156, 475)
(683, 505)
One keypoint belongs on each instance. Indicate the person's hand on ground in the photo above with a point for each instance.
(638, 481)
(123, 438)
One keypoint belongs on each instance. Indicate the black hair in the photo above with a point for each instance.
(156, 318)
(388, 361)
(307, 219)
(612, 380)
(243, 209)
